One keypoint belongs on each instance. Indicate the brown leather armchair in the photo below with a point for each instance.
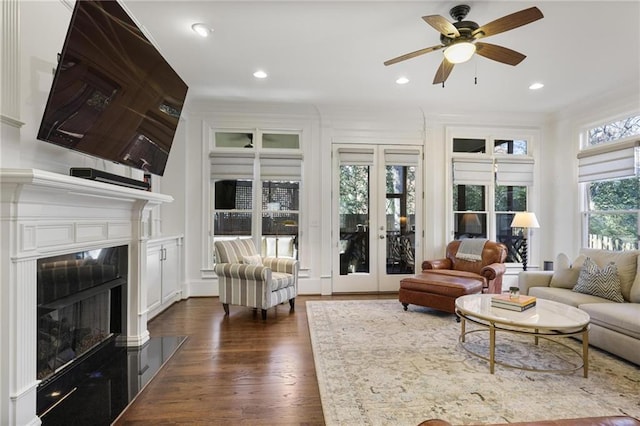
(442, 281)
(491, 267)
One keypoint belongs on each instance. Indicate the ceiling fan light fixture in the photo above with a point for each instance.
(460, 52)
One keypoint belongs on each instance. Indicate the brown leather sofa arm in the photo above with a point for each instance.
(585, 421)
(491, 272)
(437, 264)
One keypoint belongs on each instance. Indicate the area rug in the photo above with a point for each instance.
(380, 365)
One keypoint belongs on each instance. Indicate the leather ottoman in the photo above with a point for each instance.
(437, 290)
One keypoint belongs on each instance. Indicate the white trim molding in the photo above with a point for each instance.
(45, 214)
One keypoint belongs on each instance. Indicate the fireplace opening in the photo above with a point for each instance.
(81, 309)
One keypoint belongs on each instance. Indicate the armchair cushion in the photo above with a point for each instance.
(232, 251)
(281, 280)
(255, 259)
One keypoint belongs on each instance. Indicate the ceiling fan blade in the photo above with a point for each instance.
(509, 22)
(499, 53)
(413, 54)
(443, 26)
(443, 72)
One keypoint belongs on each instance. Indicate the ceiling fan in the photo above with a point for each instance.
(459, 39)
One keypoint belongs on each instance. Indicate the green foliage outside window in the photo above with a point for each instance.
(614, 210)
(511, 198)
(354, 189)
(473, 198)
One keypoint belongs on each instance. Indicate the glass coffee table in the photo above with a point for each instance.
(547, 320)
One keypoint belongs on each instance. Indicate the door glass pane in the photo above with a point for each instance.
(354, 219)
(280, 201)
(400, 214)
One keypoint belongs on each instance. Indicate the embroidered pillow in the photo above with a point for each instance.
(255, 259)
(603, 282)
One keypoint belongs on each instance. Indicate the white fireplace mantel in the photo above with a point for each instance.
(45, 214)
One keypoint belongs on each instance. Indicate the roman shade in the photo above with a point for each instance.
(231, 165)
(355, 156)
(472, 171)
(281, 166)
(609, 161)
(402, 157)
(514, 171)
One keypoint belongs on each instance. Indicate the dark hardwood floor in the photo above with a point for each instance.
(236, 370)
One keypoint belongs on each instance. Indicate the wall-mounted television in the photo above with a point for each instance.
(113, 95)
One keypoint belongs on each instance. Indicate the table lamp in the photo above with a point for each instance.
(525, 220)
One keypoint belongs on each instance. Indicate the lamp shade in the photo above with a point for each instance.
(471, 223)
(459, 52)
(525, 220)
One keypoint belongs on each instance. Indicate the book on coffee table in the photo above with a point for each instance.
(519, 303)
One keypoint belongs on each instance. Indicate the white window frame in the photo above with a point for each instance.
(490, 135)
(610, 160)
(258, 155)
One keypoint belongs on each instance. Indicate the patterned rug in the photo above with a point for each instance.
(379, 365)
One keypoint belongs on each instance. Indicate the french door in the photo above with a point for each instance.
(377, 207)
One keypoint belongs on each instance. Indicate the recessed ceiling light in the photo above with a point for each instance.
(201, 29)
(536, 86)
(402, 80)
(260, 74)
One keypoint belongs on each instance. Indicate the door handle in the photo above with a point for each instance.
(382, 237)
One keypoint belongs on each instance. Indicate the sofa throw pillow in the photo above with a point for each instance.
(625, 260)
(255, 259)
(566, 275)
(601, 282)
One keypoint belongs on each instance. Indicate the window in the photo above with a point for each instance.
(609, 171)
(488, 189)
(280, 200)
(613, 131)
(612, 219)
(255, 184)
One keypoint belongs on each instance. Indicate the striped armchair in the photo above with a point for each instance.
(247, 279)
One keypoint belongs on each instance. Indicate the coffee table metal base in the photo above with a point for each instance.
(537, 334)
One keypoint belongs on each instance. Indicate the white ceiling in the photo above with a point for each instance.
(332, 52)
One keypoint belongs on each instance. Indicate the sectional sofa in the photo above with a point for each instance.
(615, 325)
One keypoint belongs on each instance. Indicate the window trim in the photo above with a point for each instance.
(491, 134)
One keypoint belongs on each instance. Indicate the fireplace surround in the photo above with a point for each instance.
(44, 215)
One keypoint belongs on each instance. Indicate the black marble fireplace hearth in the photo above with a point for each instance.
(104, 383)
(87, 376)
